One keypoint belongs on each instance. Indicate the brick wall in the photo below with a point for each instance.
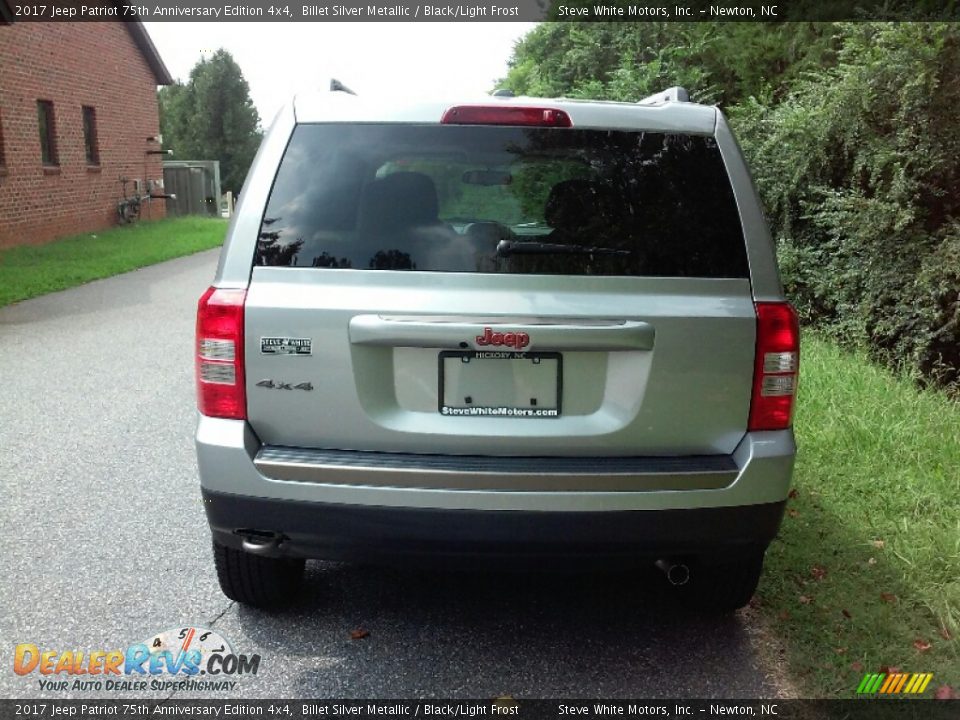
(72, 65)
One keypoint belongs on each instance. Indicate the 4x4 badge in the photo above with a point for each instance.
(516, 340)
(271, 385)
(286, 346)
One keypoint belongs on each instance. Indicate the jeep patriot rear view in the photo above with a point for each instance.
(523, 328)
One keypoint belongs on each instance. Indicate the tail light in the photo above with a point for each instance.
(505, 115)
(220, 376)
(776, 367)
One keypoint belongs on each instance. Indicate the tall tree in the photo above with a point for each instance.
(719, 62)
(211, 117)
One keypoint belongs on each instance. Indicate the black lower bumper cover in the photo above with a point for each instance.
(355, 532)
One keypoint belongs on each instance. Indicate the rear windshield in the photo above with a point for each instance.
(502, 200)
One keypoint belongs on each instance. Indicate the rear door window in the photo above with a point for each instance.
(503, 200)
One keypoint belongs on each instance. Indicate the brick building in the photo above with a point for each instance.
(78, 111)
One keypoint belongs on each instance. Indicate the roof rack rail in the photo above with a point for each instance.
(674, 94)
(337, 86)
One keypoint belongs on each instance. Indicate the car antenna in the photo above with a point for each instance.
(337, 86)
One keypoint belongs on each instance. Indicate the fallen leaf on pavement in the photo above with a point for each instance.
(359, 634)
(888, 597)
(921, 645)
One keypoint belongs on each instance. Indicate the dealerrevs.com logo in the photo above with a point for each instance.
(189, 658)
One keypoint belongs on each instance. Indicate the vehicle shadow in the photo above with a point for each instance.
(486, 634)
(839, 602)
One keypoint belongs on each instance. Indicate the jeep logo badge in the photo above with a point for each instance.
(517, 340)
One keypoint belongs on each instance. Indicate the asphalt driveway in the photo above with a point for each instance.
(106, 544)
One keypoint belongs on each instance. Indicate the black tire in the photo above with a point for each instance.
(727, 585)
(255, 580)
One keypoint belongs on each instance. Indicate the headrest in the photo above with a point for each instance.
(398, 201)
(573, 204)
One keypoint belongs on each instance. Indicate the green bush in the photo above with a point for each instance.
(717, 62)
(859, 170)
(853, 136)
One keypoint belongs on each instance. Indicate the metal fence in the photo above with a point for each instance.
(196, 184)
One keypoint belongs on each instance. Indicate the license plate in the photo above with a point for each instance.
(490, 383)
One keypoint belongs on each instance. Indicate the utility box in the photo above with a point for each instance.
(196, 184)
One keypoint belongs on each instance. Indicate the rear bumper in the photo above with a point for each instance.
(758, 472)
(338, 532)
(343, 505)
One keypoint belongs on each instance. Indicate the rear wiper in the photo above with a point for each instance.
(515, 247)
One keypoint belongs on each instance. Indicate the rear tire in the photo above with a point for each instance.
(727, 585)
(254, 580)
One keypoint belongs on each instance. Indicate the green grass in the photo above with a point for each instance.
(29, 271)
(877, 508)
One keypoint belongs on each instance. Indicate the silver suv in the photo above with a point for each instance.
(533, 329)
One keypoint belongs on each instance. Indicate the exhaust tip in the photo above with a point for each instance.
(677, 573)
(259, 542)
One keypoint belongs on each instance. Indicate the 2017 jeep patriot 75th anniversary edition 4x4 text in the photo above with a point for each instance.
(521, 327)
